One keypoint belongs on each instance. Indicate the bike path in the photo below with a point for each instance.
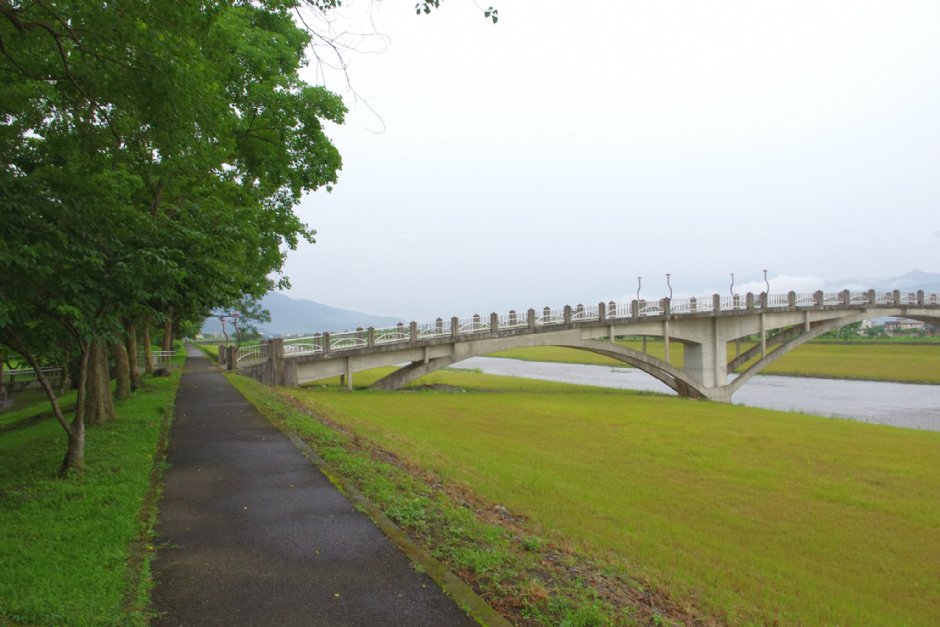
(250, 532)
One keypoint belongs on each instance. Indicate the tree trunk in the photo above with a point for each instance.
(75, 452)
(99, 407)
(122, 372)
(131, 329)
(168, 330)
(148, 348)
(65, 381)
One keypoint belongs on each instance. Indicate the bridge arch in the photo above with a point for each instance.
(671, 376)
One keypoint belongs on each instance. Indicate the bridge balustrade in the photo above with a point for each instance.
(474, 324)
(302, 346)
(392, 335)
(438, 328)
(550, 316)
(582, 313)
(512, 320)
(347, 341)
(253, 354)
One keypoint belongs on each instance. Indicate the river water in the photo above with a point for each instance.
(895, 404)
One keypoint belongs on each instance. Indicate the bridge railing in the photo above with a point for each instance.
(612, 310)
(253, 354)
(582, 313)
(348, 340)
(473, 324)
(392, 335)
(513, 320)
(438, 328)
(782, 300)
(549, 316)
(650, 308)
(296, 347)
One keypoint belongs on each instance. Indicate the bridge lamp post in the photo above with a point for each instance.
(731, 289)
(766, 282)
(639, 284)
(669, 285)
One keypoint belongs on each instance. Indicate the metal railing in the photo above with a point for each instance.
(28, 375)
(253, 354)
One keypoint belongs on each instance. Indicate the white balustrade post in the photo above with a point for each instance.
(567, 314)
(791, 298)
(716, 303)
(494, 322)
(749, 301)
(530, 318)
(820, 298)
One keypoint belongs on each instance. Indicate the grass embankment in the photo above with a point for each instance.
(65, 550)
(737, 514)
(906, 363)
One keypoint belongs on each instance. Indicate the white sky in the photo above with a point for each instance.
(557, 155)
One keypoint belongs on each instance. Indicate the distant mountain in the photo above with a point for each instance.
(296, 316)
(912, 281)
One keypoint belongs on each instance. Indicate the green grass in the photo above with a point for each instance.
(64, 550)
(907, 363)
(749, 515)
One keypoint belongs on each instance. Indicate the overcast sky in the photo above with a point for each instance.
(557, 155)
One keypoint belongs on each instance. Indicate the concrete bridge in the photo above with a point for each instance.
(700, 328)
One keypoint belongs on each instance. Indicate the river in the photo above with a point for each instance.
(896, 404)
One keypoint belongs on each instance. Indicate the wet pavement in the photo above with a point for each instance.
(250, 532)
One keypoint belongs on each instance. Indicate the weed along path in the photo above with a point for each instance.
(250, 532)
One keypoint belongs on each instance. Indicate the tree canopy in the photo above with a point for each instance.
(150, 161)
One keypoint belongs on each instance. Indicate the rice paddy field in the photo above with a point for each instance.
(745, 515)
(907, 363)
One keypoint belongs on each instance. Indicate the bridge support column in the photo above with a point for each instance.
(763, 336)
(666, 341)
(705, 362)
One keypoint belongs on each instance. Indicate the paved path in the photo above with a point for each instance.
(255, 534)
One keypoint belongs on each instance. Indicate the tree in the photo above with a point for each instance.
(150, 161)
(243, 317)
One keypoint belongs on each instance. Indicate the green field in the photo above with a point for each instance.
(908, 363)
(746, 515)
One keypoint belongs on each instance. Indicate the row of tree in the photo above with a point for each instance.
(151, 156)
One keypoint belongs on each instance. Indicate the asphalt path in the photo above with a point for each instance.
(251, 533)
